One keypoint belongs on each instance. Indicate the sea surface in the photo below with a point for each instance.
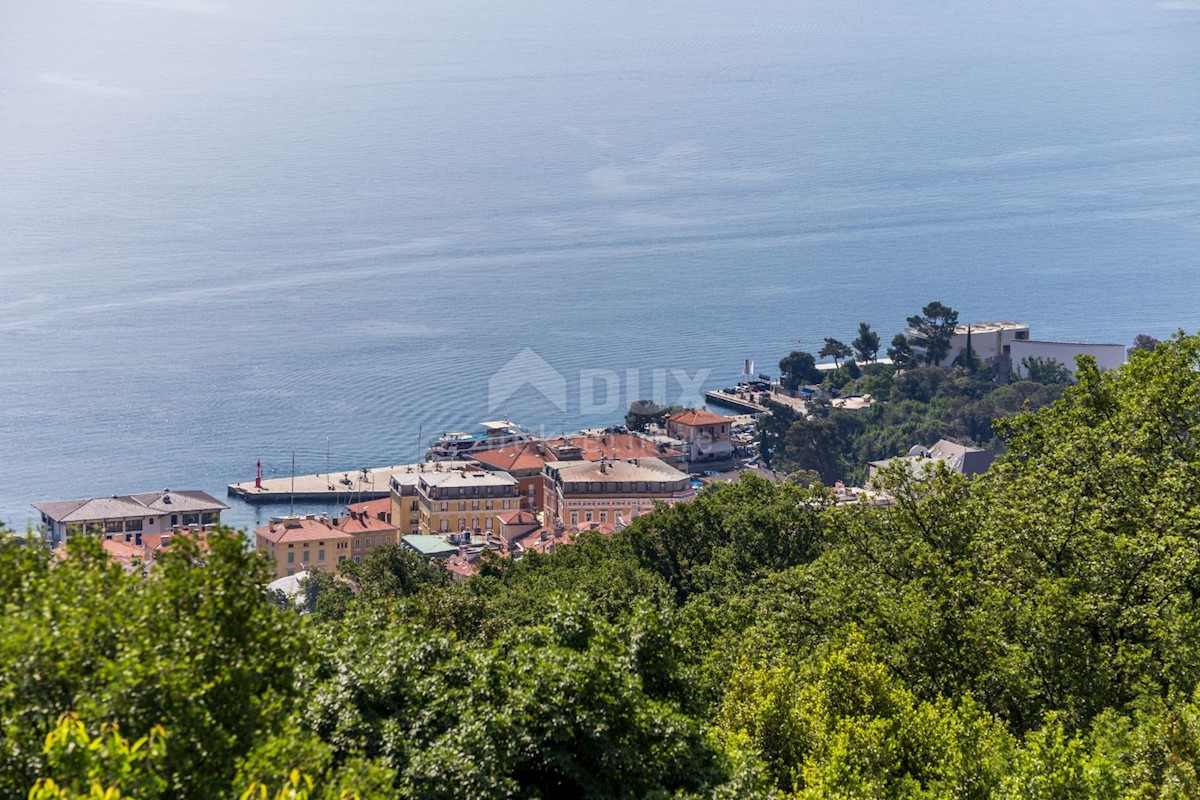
(233, 231)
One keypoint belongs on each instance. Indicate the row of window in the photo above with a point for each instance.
(587, 517)
(488, 506)
(462, 524)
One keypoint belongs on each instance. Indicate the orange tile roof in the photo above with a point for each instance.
(695, 416)
(373, 507)
(301, 530)
(121, 551)
(518, 518)
(616, 446)
(517, 457)
(363, 524)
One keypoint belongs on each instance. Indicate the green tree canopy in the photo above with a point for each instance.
(866, 345)
(798, 368)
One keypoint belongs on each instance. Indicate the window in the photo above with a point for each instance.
(291, 558)
(489, 523)
(307, 555)
(604, 516)
(462, 506)
(358, 559)
(414, 505)
(474, 505)
(174, 519)
(191, 519)
(209, 518)
(368, 542)
(587, 516)
(574, 517)
(445, 525)
(320, 555)
(113, 526)
(445, 506)
(378, 541)
(133, 524)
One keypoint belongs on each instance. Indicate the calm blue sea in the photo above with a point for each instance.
(234, 230)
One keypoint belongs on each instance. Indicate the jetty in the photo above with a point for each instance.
(365, 484)
(738, 402)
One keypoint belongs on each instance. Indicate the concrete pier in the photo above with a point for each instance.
(738, 402)
(366, 484)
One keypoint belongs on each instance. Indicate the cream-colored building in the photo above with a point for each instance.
(464, 499)
(293, 544)
(580, 493)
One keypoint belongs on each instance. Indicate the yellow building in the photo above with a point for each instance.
(464, 499)
(405, 505)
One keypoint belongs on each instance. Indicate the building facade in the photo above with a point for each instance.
(1108, 356)
(580, 493)
(465, 499)
(293, 544)
(133, 514)
(707, 437)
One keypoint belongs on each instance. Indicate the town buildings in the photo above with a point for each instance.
(129, 517)
(579, 493)
(706, 437)
(464, 499)
(293, 544)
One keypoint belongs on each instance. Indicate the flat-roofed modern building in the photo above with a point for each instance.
(990, 341)
(579, 493)
(1108, 356)
(133, 514)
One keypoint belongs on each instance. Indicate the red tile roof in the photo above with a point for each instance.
(615, 446)
(373, 507)
(301, 530)
(695, 416)
(517, 457)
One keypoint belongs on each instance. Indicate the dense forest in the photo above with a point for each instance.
(1034, 633)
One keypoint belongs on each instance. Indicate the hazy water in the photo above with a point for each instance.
(231, 230)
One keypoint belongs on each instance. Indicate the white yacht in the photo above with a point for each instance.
(459, 444)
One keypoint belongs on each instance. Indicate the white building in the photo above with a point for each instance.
(989, 340)
(1001, 343)
(1108, 356)
(129, 516)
